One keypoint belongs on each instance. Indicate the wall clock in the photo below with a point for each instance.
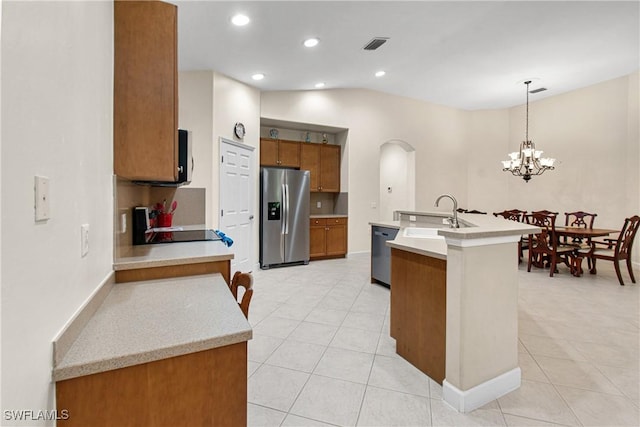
(239, 130)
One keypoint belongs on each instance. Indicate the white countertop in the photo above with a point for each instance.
(162, 254)
(328, 216)
(141, 322)
(477, 227)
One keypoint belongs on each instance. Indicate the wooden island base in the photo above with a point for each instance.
(207, 388)
(419, 311)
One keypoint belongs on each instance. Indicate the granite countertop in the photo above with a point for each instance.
(162, 254)
(141, 322)
(328, 216)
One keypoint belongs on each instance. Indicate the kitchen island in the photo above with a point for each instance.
(158, 352)
(454, 306)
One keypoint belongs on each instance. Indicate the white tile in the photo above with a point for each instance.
(345, 365)
(576, 374)
(399, 375)
(275, 387)
(435, 390)
(598, 409)
(290, 310)
(261, 347)
(314, 333)
(355, 339)
(530, 369)
(330, 400)
(367, 321)
(259, 416)
(327, 316)
(627, 381)
(386, 346)
(540, 401)
(515, 421)
(252, 367)
(296, 421)
(278, 327)
(444, 415)
(552, 347)
(296, 355)
(390, 408)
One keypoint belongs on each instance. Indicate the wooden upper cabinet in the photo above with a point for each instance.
(310, 161)
(289, 153)
(145, 101)
(279, 152)
(323, 161)
(268, 152)
(330, 168)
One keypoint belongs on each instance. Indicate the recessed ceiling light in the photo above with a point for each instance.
(258, 76)
(380, 73)
(311, 42)
(240, 20)
(319, 85)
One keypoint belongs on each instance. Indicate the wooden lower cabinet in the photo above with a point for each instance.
(328, 238)
(180, 270)
(207, 388)
(419, 311)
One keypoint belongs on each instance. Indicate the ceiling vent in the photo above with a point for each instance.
(376, 43)
(540, 89)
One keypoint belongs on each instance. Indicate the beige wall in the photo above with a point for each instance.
(210, 105)
(459, 152)
(57, 116)
(436, 132)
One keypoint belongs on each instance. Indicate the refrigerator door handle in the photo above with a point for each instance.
(283, 221)
(286, 204)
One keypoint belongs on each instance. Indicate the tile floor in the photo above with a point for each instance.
(321, 353)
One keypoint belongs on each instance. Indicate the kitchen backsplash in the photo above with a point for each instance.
(330, 203)
(190, 209)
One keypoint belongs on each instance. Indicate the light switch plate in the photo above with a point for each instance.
(41, 189)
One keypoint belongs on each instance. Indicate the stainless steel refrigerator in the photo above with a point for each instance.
(284, 217)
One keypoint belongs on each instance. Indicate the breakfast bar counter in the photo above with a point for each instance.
(454, 302)
(169, 348)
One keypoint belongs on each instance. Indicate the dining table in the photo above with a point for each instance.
(581, 233)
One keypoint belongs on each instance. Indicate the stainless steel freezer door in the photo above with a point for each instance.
(296, 237)
(272, 222)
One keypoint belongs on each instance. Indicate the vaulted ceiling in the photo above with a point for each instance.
(464, 54)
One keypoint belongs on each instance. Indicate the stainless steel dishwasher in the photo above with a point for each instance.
(381, 254)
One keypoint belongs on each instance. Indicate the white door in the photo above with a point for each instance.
(237, 200)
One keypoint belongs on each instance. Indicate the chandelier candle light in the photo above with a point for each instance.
(528, 161)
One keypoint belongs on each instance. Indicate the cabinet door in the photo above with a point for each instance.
(330, 168)
(289, 153)
(145, 98)
(317, 241)
(310, 160)
(336, 236)
(268, 152)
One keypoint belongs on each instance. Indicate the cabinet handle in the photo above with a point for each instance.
(180, 169)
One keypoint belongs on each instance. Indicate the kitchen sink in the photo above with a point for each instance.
(422, 233)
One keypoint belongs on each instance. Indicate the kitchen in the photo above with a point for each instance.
(48, 295)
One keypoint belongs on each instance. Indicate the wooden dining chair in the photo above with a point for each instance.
(583, 220)
(544, 247)
(619, 252)
(244, 280)
(546, 212)
(518, 216)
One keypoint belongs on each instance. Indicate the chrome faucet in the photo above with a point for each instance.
(453, 222)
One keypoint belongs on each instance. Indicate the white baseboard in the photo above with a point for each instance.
(475, 397)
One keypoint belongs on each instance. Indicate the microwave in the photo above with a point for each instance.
(185, 162)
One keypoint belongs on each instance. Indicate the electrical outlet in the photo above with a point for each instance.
(84, 239)
(123, 223)
(318, 205)
(42, 202)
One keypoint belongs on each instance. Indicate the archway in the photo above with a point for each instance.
(397, 178)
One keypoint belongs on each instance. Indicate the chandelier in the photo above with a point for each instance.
(528, 161)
